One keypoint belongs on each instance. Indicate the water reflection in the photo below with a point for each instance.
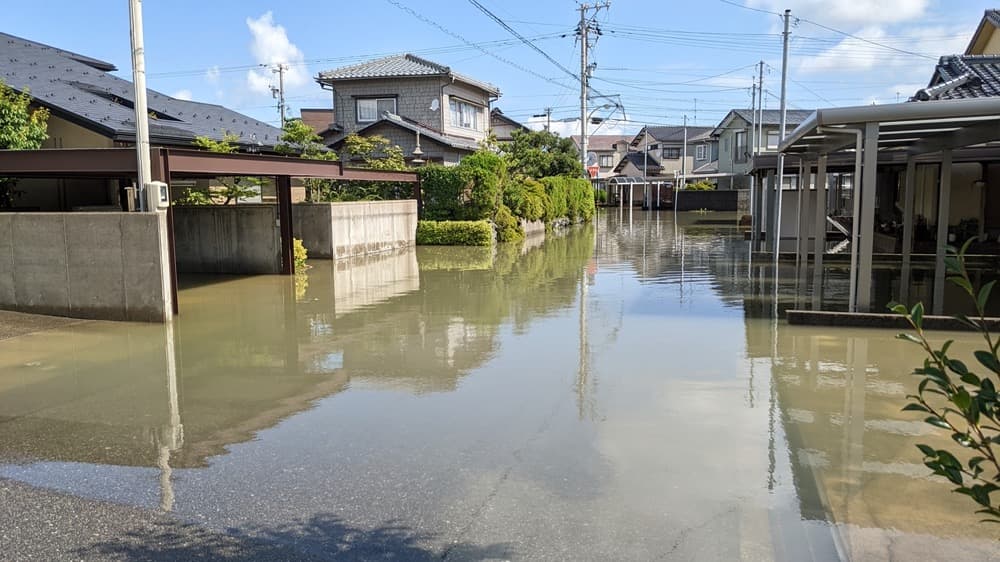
(621, 392)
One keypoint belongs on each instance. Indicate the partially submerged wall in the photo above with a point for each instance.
(109, 266)
(243, 239)
(357, 228)
(693, 200)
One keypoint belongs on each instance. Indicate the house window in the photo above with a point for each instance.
(465, 115)
(607, 161)
(772, 140)
(701, 152)
(741, 146)
(371, 109)
(671, 153)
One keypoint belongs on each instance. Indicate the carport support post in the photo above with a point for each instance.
(909, 182)
(867, 219)
(944, 210)
(772, 231)
(284, 187)
(819, 232)
(801, 222)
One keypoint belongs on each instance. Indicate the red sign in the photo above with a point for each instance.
(593, 171)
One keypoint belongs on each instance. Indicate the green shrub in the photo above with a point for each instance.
(508, 227)
(454, 233)
(701, 185)
(600, 196)
(579, 199)
(486, 173)
(443, 189)
(556, 191)
(526, 198)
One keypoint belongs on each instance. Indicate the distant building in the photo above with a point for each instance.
(503, 127)
(402, 96)
(608, 150)
(734, 136)
(665, 144)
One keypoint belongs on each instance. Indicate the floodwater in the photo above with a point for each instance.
(618, 393)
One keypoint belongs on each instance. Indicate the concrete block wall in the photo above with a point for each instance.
(357, 228)
(110, 266)
(242, 239)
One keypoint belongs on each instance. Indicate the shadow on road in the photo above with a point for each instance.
(322, 537)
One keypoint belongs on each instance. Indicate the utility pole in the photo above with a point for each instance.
(781, 155)
(684, 154)
(548, 119)
(584, 32)
(144, 175)
(760, 108)
(695, 112)
(279, 92)
(753, 118)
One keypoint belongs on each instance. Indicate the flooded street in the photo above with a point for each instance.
(621, 392)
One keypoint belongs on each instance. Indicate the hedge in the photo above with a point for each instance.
(454, 233)
(526, 198)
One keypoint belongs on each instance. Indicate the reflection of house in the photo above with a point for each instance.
(734, 136)
(503, 127)
(402, 96)
(609, 150)
(92, 108)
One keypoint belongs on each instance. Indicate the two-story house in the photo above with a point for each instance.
(608, 151)
(665, 144)
(404, 98)
(736, 149)
(503, 127)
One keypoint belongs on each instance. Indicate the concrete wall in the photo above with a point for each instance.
(343, 230)
(241, 239)
(110, 266)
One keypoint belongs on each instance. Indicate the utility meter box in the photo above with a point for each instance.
(157, 195)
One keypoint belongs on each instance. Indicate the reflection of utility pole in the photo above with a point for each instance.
(172, 436)
(279, 92)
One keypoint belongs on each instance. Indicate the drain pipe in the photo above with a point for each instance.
(856, 206)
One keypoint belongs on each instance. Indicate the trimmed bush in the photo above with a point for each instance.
(487, 174)
(556, 189)
(454, 233)
(526, 198)
(508, 227)
(702, 185)
(579, 199)
(443, 192)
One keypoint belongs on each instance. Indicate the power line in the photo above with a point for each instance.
(508, 62)
(877, 44)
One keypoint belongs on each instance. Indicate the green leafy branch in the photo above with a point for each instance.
(967, 407)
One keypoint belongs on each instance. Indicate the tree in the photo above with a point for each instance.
(299, 138)
(541, 154)
(233, 188)
(21, 128)
(375, 151)
(953, 397)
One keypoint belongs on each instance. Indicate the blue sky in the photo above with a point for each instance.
(666, 59)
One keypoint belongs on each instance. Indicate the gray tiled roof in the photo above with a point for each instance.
(640, 160)
(80, 89)
(425, 131)
(601, 142)
(676, 133)
(963, 77)
(398, 66)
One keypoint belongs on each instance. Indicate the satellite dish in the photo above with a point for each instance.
(591, 158)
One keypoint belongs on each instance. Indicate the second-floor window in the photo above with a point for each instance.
(371, 109)
(741, 146)
(671, 153)
(701, 152)
(772, 140)
(607, 161)
(465, 115)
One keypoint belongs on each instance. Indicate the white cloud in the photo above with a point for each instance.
(850, 55)
(569, 128)
(271, 46)
(212, 74)
(848, 12)
(184, 94)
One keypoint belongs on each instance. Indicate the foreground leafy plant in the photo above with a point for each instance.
(967, 407)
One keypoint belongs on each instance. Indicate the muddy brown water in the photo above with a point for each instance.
(620, 392)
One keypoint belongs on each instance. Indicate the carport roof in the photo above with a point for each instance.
(914, 128)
